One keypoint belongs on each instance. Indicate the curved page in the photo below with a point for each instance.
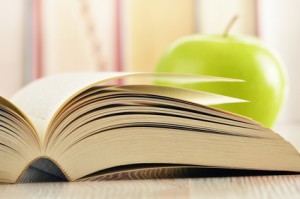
(42, 99)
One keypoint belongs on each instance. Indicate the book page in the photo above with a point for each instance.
(42, 99)
(5, 102)
(195, 96)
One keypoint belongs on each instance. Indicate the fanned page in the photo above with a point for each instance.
(42, 99)
(107, 127)
(19, 143)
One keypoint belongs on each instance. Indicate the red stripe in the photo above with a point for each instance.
(118, 39)
(118, 36)
(257, 17)
(37, 54)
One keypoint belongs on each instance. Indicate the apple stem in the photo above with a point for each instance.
(230, 24)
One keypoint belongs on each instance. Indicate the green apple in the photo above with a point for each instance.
(238, 57)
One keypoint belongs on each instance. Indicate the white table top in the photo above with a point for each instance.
(229, 187)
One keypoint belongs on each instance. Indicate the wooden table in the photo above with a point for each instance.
(276, 186)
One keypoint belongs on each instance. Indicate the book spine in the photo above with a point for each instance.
(81, 36)
(12, 47)
(153, 26)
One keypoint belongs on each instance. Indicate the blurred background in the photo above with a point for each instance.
(44, 37)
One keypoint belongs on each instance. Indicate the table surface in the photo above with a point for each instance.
(274, 186)
(228, 187)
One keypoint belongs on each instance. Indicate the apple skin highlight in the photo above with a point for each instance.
(238, 57)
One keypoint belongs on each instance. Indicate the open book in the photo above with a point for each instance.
(91, 128)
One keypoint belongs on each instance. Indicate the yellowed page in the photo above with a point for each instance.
(19, 143)
(42, 99)
(9, 104)
(198, 97)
